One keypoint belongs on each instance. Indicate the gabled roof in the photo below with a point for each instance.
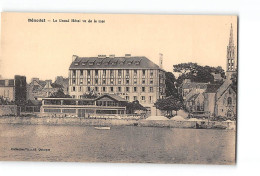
(197, 85)
(130, 62)
(113, 96)
(42, 83)
(48, 85)
(193, 97)
(38, 83)
(212, 88)
(227, 83)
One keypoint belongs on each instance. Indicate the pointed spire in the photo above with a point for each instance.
(231, 40)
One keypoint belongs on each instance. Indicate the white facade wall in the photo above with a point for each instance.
(82, 82)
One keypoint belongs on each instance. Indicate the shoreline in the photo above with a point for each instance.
(118, 122)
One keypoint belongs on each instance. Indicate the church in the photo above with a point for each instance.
(214, 100)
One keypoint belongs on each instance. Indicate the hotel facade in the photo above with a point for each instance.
(130, 77)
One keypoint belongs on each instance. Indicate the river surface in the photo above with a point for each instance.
(119, 144)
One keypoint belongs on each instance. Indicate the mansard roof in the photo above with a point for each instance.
(130, 62)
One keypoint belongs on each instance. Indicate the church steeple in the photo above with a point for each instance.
(231, 55)
(231, 40)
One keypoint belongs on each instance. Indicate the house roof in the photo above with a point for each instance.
(223, 88)
(42, 83)
(130, 62)
(37, 83)
(212, 88)
(197, 85)
(193, 97)
(113, 96)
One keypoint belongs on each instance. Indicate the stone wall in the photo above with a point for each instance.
(167, 123)
(228, 125)
(67, 121)
(8, 110)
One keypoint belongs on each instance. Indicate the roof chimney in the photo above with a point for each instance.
(161, 60)
(111, 56)
(101, 56)
(127, 55)
(74, 57)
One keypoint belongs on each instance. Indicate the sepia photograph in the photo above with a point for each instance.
(118, 88)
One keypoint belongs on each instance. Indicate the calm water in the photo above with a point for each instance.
(120, 144)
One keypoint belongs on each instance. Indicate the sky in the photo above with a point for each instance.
(45, 49)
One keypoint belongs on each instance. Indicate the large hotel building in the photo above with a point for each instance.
(130, 77)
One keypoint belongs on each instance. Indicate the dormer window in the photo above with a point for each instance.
(91, 63)
(137, 62)
(114, 63)
(129, 62)
(121, 63)
(76, 63)
(83, 63)
(98, 63)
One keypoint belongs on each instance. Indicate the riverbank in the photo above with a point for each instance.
(230, 125)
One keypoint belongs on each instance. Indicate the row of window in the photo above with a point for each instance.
(143, 99)
(112, 72)
(112, 81)
(111, 89)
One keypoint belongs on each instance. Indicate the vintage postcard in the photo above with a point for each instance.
(121, 88)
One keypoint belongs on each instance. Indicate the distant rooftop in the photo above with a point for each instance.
(112, 62)
(198, 85)
(7, 83)
(213, 88)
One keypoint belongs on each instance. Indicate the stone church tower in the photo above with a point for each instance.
(231, 56)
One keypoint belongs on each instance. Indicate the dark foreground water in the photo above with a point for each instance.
(120, 144)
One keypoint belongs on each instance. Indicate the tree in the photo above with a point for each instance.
(133, 106)
(59, 94)
(170, 81)
(197, 73)
(56, 85)
(20, 90)
(169, 104)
